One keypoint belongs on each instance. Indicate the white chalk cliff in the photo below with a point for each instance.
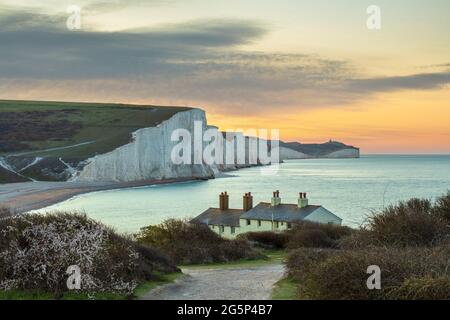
(148, 155)
(344, 153)
(286, 154)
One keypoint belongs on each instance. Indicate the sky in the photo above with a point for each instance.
(312, 69)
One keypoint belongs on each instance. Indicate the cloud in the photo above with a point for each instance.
(423, 81)
(196, 62)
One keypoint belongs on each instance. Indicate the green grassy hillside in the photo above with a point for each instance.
(72, 130)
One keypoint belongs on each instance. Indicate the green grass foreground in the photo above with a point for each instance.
(285, 289)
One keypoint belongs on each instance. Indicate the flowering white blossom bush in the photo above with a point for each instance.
(36, 250)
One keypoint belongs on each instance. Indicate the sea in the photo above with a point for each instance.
(353, 189)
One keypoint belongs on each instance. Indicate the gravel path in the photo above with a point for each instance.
(240, 283)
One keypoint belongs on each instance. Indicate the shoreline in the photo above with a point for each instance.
(27, 196)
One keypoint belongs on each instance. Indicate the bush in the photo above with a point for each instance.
(36, 250)
(316, 235)
(341, 274)
(188, 243)
(441, 208)
(300, 261)
(267, 239)
(362, 238)
(425, 288)
(411, 223)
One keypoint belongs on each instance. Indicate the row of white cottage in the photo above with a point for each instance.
(273, 216)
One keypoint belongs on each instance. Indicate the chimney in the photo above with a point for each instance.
(247, 201)
(223, 201)
(276, 200)
(302, 200)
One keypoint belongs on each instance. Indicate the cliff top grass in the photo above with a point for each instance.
(71, 129)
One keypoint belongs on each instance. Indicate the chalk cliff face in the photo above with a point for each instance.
(344, 153)
(286, 154)
(148, 156)
(141, 150)
(330, 149)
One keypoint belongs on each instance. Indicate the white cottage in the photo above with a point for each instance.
(274, 216)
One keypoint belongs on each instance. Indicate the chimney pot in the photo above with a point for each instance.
(221, 201)
(224, 201)
(247, 201)
(302, 200)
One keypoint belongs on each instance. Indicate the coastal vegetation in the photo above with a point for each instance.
(37, 250)
(188, 243)
(410, 242)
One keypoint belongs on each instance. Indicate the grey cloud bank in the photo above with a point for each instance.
(197, 62)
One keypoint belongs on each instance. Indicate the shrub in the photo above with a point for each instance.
(316, 235)
(362, 238)
(441, 208)
(188, 243)
(36, 250)
(341, 274)
(267, 239)
(425, 288)
(299, 261)
(410, 223)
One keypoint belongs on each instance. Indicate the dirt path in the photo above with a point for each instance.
(237, 283)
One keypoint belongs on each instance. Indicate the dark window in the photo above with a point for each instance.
(276, 225)
(289, 225)
(222, 229)
(259, 223)
(233, 230)
(249, 222)
(282, 223)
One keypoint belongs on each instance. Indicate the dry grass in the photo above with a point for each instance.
(408, 241)
(341, 274)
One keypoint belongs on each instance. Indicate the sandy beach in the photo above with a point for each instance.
(26, 196)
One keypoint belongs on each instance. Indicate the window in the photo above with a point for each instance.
(276, 225)
(289, 225)
(212, 227)
(259, 223)
(249, 222)
(233, 230)
(222, 229)
(282, 223)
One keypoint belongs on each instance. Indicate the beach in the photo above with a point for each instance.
(27, 196)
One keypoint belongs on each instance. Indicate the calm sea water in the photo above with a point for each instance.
(350, 188)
